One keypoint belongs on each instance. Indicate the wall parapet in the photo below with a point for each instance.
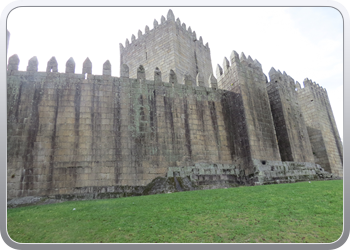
(106, 70)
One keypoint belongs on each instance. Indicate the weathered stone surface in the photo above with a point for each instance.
(124, 71)
(157, 76)
(87, 66)
(188, 81)
(200, 80)
(213, 83)
(291, 131)
(247, 111)
(169, 45)
(107, 68)
(70, 66)
(52, 65)
(13, 63)
(107, 137)
(170, 15)
(172, 77)
(155, 23)
(139, 34)
(325, 141)
(33, 64)
(141, 74)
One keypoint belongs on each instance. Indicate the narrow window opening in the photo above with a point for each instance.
(51, 69)
(85, 76)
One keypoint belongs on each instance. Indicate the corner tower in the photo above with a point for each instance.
(321, 127)
(168, 46)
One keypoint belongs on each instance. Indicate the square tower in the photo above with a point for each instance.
(248, 111)
(321, 127)
(169, 45)
(292, 136)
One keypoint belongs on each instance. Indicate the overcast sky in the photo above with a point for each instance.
(306, 42)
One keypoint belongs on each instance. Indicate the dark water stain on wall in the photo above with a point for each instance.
(227, 110)
(280, 127)
(95, 121)
(187, 129)
(77, 100)
(214, 121)
(140, 139)
(117, 132)
(153, 114)
(169, 117)
(13, 122)
(58, 96)
(153, 121)
(200, 108)
(236, 127)
(142, 125)
(27, 177)
(200, 113)
(138, 135)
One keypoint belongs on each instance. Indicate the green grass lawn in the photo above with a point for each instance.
(298, 212)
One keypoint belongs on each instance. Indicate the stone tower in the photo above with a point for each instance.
(168, 46)
(82, 135)
(248, 109)
(321, 127)
(292, 136)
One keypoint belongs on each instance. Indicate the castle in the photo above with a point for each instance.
(165, 124)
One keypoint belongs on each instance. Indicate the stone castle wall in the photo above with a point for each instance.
(293, 140)
(65, 131)
(168, 46)
(322, 129)
(166, 117)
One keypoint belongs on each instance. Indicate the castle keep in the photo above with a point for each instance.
(168, 46)
(165, 124)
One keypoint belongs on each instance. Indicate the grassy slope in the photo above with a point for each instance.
(299, 212)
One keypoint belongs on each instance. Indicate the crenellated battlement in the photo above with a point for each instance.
(163, 22)
(238, 62)
(32, 69)
(283, 81)
(244, 77)
(168, 45)
(166, 116)
(313, 86)
(236, 66)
